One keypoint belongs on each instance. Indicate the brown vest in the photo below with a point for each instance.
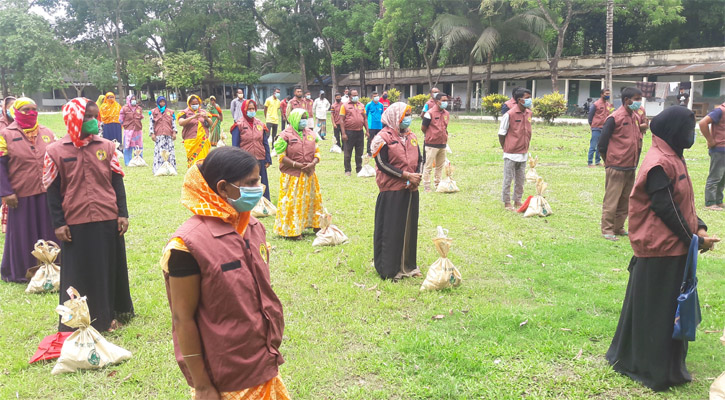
(296, 103)
(85, 175)
(718, 130)
(25, 163)
(437, 132)
(403, 155)
(648, 235)
(510, 103)
(251, 137)
(239, 316)
(625, 144)
(132, 116)
(308, 107)
(354, 119)
(299, 149)
(190, 130)
(518, 136)
(602, 110)
(163, 123)
(336, 112)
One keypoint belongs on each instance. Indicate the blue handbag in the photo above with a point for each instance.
(687, 316)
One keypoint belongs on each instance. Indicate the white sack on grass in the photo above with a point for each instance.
(166, 169)
(531, 175)
(47, 275)
(442, 274)
(85, 348)
(335, 149)
(367, 171)
(264, 208)
(717, 389)
(221, 142)
(119, 153)
(137, 161)
(538, 205)
(328, 235)
(447, 184)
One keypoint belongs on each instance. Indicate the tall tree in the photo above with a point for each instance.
(610, 43)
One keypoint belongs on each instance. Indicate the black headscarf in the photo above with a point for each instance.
(676, 126)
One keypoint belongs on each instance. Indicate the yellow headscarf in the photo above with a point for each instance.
(100, 100)
(110, 110)
(20, 103)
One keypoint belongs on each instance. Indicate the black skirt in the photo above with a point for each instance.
(95, 264)
(643, 348)
(395, 240)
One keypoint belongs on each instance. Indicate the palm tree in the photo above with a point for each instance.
(483, 28)
(610, 40)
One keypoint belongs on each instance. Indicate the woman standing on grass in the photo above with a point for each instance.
(87, 201)
(227, 320)
(300, 203)
(399, 162)
(22, 149)
(130, 117)
(6, 118)
(195, 124)
(110, 115)
(662, 221)
(215, 131)
(163, 133)
(251, 135)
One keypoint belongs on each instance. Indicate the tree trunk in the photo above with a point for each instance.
(303, 70)
(610, 41)
(363, 86)
(469, 83)
(4, 83)
(487, 81)
(333, 75)
(120, 86)
(554, 62)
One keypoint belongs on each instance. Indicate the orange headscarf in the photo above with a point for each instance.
(110, 110)
(200, 199)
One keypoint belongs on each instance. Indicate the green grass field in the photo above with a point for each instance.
(533, 318)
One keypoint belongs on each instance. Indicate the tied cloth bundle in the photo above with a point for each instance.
(367, 171)
(166, 169)
(85, 348)
(442, 274)
(717, 389)
(531, 175)
(537, 205)
(328, 235)
(264, 207)
(119, 153)
(137, 161)
(222, 138)
(46, 276)
(335, 149)
(447, 184)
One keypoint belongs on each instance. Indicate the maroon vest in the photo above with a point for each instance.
(25, 163)
(132, 116)
(354, 118)
(308, 107)
(299, 149)
(518, 136)
(239, 316)
(602, 110)
(190, 130)
(718, 130)
(648, 235)
(437, 132)
(296, 103)
(510, 103)
(4, 122)
(163, 122)
(251, 137)
(401, 154)
(625, 144)
(85, 174)
(336, 112)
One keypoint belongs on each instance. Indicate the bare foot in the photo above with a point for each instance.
(115, 325)
(508, 206)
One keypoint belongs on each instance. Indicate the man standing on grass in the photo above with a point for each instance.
(374, 111)
(598, 113)
(336, 120)
(620, 147)
(308, 106)
(384, 101)
(431, 102)
(352, 115)
(271, 113)
(283, 110)
(345, 96)
(713, 129)
(510, 103)
(236, 106)
(319, 108)
(435, 129)
(514, 135)
(297, 101)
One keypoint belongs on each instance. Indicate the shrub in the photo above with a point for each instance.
(550, 106)
(492, 104)
(393, 95)
(417, 102)
(364, 100)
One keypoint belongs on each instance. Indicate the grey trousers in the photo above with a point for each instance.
(716, 179)
(516, 172)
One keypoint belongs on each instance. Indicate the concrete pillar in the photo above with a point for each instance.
(566, 90)
(504, 88)
(411, 91)
(476, 95)
(533, 88)
(644, 99)
(692, 92)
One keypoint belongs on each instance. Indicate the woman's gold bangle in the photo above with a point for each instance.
(191, 355)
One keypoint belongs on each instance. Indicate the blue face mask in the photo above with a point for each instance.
(406, 122)
(606, 97)
(528, 103)
(162, 108)
(194, 106)
(248, 198)
(355, 99)
(303, 124)
(376, 99)
(635, 106)
(444, 104)
(251, 114)
(276, 95)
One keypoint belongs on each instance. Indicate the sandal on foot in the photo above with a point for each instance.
(714, 208)
(613, 238)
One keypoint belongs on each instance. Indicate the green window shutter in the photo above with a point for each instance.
(595, 89)
(711, 88)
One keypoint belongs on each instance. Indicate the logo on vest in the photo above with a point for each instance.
(260, 127)
(639, 112)
(46, 139)
(263, 252)
(310, 138)
(101, 154)
(414, 142)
